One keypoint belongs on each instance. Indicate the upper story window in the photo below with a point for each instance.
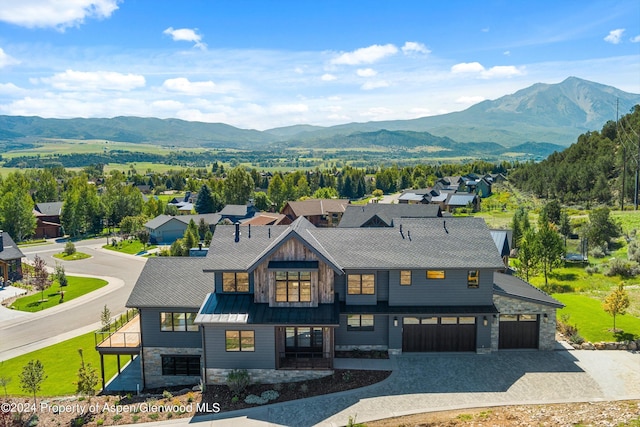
(178, 322)
(473, 277)
(405, 277)
(293, 286)
(235, 282)
(361, 284)
(435, 274)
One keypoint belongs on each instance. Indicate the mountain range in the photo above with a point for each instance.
(550, 115)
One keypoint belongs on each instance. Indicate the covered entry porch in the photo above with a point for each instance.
(304, 347)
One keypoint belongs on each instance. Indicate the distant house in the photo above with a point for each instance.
(167, 229)
(319, 212)
(502, 239)
(238, 213)
(184, 204)
(382, 214)
(447, 197)
(10, 258)
(267, 218)
(464, 200)
(48, 223)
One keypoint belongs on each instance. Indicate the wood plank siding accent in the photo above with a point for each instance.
(322, 288)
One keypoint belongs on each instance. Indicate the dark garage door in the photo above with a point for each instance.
(438, 334)
(518, 331)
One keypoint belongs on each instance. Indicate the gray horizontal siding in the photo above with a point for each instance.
(217, 357)
(379, 335)
(361, 299)
(152, 336)
(452, 290)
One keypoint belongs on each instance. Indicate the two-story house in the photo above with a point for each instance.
(280, 300)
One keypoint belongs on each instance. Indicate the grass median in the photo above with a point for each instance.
(77, 287)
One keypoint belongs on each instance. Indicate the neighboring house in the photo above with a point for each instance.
(462, 200)
(10, 259)
(447, 197)
(267, 218)
(238, 213)
(383, 214)
(48, 223)
(502, 239)
(280, 302)
(184, 204)
(166, 229)
(319, 212)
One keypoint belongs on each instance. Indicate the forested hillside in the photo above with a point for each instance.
(590, 170)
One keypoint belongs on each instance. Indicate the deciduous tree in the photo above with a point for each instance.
(617, 302)
(32, 377)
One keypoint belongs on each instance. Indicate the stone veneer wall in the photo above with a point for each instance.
(507, 305)
(153, 377)
(268, 376)
(361, 347)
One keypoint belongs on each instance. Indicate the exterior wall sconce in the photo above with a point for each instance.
(545, 318)
(485, 322)
(395, 321)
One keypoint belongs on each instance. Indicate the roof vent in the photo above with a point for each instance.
(269, 232)
(409, 234)
(237, 239)
(249, 231)
(401, 233)
(444, 225)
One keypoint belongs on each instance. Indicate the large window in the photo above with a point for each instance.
(361, 284)
(178, 322)
(435, 274)
(240, 340)
(181, 365)
(472, 278)
(293, 286)
(303, 339)
(360, 322)
(405, 277)
(235, 282)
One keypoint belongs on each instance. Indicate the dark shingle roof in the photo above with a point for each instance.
(465, 243)
(9, 248)
(49, 208)
(357, 216)
(171, 282)
(514, 287)
(318, 206)
(240, 308)
(211, 219)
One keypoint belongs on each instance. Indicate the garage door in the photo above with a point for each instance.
(518, 331)
(438, 334)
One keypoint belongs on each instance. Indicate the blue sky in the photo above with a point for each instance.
(268, 63)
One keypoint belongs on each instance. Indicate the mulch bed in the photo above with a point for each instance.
(340, 380)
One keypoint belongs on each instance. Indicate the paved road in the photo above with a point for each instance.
(23, 333)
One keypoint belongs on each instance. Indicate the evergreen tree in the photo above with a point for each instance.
(204, 202)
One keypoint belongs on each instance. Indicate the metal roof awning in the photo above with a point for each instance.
(240, 308)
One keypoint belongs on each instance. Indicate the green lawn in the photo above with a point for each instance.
(61, 363)
(130, 248)
(73, 257)
(593, 322)
(77, 287)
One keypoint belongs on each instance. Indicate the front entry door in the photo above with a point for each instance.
(303, 340)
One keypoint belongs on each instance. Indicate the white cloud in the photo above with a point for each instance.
(167, 105)
(366, 72)
(493, 72)
(6, 60)
(186, 35)
(10, 89)
(328, 77)
(289, 108)
(370, 85)
(377, 113)
(614, 36)
(59, 14)
(365, 55)
(469, 100)
(635, 39)
(502, 71)
(183, 85)
(467, 67)
(96, 80)
(414, 47)
(507, 53)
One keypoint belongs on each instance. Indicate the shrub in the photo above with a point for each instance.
(277, 387)
(576, 338)
(270, 395)
(238, 380)
(69, 249)
(619, 267)
(590, 270)
(598, 252)
(167, 394)
(304, 388)
(633, 251)
(255, 400)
